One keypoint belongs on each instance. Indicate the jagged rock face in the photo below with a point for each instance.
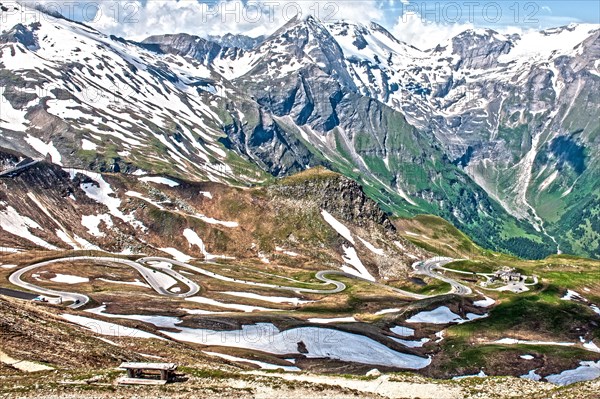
(21, 34)
(340, 196)
(9, 159)
(297, 44)
(269, 145)
(192, 46)
(479, 51)
(589, 54)
(238, 41)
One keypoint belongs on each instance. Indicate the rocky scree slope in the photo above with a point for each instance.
(47, 208)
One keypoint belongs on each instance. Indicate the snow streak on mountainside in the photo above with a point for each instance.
(494, 133)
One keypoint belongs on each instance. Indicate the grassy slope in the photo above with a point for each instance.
(539, 314)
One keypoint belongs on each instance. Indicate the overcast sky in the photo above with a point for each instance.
(421, 23)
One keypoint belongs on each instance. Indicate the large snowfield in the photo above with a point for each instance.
(319, 343)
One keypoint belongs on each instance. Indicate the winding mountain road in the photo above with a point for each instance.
(80, 300)
(321, 276)
(428, 266)
(77, 299)
(147, 267)
(339, 286)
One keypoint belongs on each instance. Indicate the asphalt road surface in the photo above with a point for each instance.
(80, 300)
(427, 268)
(18, 294)
(148, 267)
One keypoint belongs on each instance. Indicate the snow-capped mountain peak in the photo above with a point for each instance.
(341, 94)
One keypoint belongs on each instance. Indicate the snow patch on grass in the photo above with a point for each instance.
(69, 279)
(44, 149)
(12, 222)
(440, 336)
(481, 374)
(285, 252)
(410, 343)
(200, 311)
(9, 250)
(319, 320)
(484, 303)
(158, 321)
(371, 247)
(135, 283)
(176, 254)
(103, 193)
(532, 375)
(234, 306)
(591, 346)
(585, 372)
(74, 242)
(141, 197)
(403, 331)
(210, 220)
(263, 258)
(12, 118)
(573, 296)
(88, 145)
(442, 315)
(194, 239)
(92, 223)
(273, 299)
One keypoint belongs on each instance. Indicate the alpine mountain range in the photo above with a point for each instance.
(496, 133)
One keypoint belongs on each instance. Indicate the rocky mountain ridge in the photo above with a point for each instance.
(449, 131)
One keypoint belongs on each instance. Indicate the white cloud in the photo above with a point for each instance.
(361, 11)
(138, 19)
(415, 30)
(253, 17)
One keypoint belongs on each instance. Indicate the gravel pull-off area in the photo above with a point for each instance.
(384, 386)
(22, 365)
